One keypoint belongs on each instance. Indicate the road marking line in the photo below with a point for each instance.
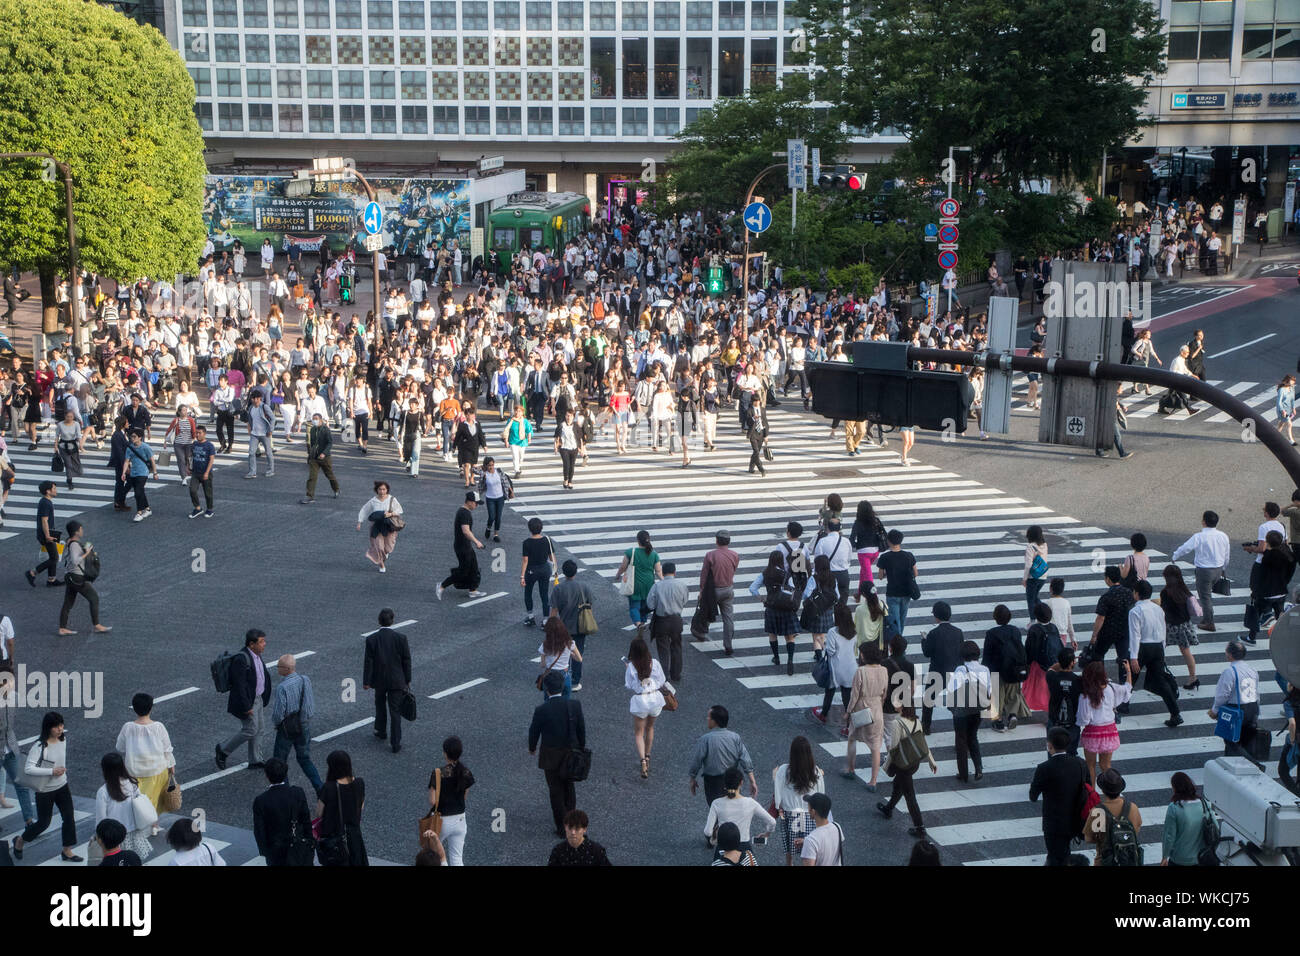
(1243, 345)
(459, 687)
(213, 776)
(490, 597)
(299, 656)
(173, 696)
(343, 730)
(395, 627)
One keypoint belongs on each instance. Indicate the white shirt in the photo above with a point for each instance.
(146, 748)
(201, 855)
(742, 811)
(106, 808)
(1264, 529)
(1103, 713)
(1239, 683)
(1210, 546)
(837, 549)
(786, 797)
(1062, 617)
(822, 844)
(1146, 624)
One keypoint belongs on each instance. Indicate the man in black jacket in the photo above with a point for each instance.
(116, 459)
(387, 670)
(1060, 779)
(319, 444)
(249, 680)
(275, 812)
(558, 726)
(942, 648)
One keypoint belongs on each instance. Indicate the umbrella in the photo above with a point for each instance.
(664, 304)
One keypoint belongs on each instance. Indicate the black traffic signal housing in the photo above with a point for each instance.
(345, 288)
(842, 177)
(881, 387)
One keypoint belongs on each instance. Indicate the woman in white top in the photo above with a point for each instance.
(744, 812)
(557, 650)
(113, 802)
(146, 748)
(645, 679)
(188, 848)
(47, 775)
(1096, 717)
(791, 783)
(568, 445)
(662, 409)
(359, 408)
(379, 511)
(1036, 566)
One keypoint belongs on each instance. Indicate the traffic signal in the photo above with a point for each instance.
(345, 288)
(842, 177)
(716, 285)
(880, 386)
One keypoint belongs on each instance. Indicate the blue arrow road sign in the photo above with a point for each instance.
(931, 229)
(373, 218)
(758, 217)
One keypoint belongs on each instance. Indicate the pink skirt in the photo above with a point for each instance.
(381, 546)
(1100, 739)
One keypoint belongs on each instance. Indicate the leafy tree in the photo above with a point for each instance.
(114, 101)
(1037, 88)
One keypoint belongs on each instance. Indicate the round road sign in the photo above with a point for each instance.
(949, 207)
(948, 233)
(931, 229)
(948, 259)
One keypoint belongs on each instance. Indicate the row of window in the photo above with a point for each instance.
(473, 14)
(1214, 42)
(445, 120)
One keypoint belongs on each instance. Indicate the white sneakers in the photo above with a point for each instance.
(477, 594)
(141, 515)
(440, 590)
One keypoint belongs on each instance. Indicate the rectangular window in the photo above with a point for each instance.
(230, 84)
(1183, 42)
(540, 121)
(762, 63)
(443, 51)
(381, 50)
(508, 86)
(572, 122)
(257, 48)
(539, 14)
(259, 117)
(410, 14)
(287, 49)
(414, 83)
(571, 86)
(731, 66)
(570, 15)
(478, 121)
(507, 51)
(571, 51)
(225, 13)
(668, 15)
(602, 15)
(383, 119)
(1286, 45)
(196, 47)
(203, 81)
(379, 15)
(320, 85)
(603, 86)
(634, 68)
(288, 84)
(699, 16)
(539, 51)
(230, 116)
(352, 85)
(255, 16)
(692, 114)
(474, 15)
(634, 15)
(258, 83)
(350, 49)
(634, 121)
(603, 121)
(415, 119)
(319, 49)
(226, 48)
(320, 118)
(1216, 42)
(667, 51)
(412, 50)
(444, 85)
(286, 14)
(446, 119)
(347, 16)
(475, 51)
(316, 14)
(667, 121)
(442, 16)
(203, 111)
(194, 13)
(290, 118)
(1257, 43)
(762, 15)
(699, 68)
(505, 14)
(508, 121)
(382, 86)
(731, 14)
(476, 86)
(352, 119)
(539, 86)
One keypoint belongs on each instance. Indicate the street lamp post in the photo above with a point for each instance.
(73, 280)
(952, 174)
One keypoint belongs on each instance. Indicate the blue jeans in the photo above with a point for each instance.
(636, 608)
(898, 611)
(1032, 587)
(575, 665)
(568, 682)
(25, 798)
(494, 506)
(542, 578)
(302, 749)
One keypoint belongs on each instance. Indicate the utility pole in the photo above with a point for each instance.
(744, 269)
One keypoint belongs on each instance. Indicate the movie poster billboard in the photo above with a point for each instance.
(417, 212)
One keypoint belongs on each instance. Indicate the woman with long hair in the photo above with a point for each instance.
(1285, 405)
(1180, 608)
(869, 619)
(842, 654)
(620, 404)
(447, 786)
(1182, 837)
(907, 725)
(644, 677)
(643, 562)
(1036, 566)
(868, 539)
(870, 684)
(820, 593)
(113, 802)
(339, 809)
(557, 650)
(792, 782)
(779, 617)
(1097, 702)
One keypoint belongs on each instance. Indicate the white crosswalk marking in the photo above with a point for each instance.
(968, 540)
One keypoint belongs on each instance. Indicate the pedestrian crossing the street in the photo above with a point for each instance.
(968, 539)
(1260, 396)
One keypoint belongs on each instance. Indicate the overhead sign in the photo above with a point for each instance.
(374, 242)
(373, 218)
(491, 163)
(795, 162)
(757, 217)
(1198, 101)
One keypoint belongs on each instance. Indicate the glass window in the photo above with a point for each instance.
(692, 114)
(352, 85)
(203, 111)
(699, 16)
(762, 62)
(414, 83)
(203, 82)
(570, 16)
(572, 121)
(602, 15)
(320, 85)
(476, 86)
(540, 121)
(194, 13)
(634, 68)
(571, 86)
(349, 49)
(1257, 11)
(290, 118)
(1182, 43)
(731, 15)
(319, 49)
(474, 15)
(478, 121)
(383, 119)
(288, 84)
(668, 121)
(347, 16)
(444, 85)
(230, 83)
(446, 119)
(509, 85)
(539, 14)
(286, 14)
(230, 116)
(287, 49)
(507, 51)
(508, 121)
(634, 15)
(320, 118)
(603, 121)
(762, 15)
(196, 47)
(225, 13)
(415, 119)
(381, 85)
(475, 51)
(379, 15)
(571, 51)
(603, 86)
(352, 119)
(258, 83)
(539, 51)
(257, 48)
(503, 238)
(505, 14)
(1216, 43)
(1257, 43)
(442, 16)
(410, 14)
(699, 68)
(444, 51)
(316, 14)
(668, 15)
(539, 86)
(226, 48)
(255, 16)
(1286, 45)
(259, 117)
(731, 66)
(1216, 11)
(634, 121)
(667, 51)
(412, 50)
(381, 50)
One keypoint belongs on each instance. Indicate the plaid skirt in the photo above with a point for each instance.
(1184, 635)
(815, 623)
(794, 823)
(780, 623)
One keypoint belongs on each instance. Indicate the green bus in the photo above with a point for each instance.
(532, 220)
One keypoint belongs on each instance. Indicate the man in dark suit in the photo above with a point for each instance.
(1060, 779)
(559, 727)
(249, 681)
(942, 648)
(387, 671)
(275, 811)
(116, 459)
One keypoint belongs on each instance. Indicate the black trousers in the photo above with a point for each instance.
(563, 795)
(52, 560)
(756, 443)
(1249, 728)
(389, 702)
(70, 592)
(45, 804)
(137, 487)
(966, 738)
(206, 484)
(713, 788)
(537, 407)
(465, 575)
(568, 456)
(1151, 658)
(905, 790)
(666, 631)
(225, 429)
(1058, 849)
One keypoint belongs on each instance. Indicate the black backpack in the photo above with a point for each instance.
(1015, 665)
(1121, 847)
(798, 579)
(221, 672)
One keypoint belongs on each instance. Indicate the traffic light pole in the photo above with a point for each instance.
(1263, 430)
(744, 269)
(381, 333)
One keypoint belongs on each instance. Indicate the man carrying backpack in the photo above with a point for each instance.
(1114, 824)
(249, 687)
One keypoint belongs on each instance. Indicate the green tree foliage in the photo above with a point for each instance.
(114, 101)
(1038, 88)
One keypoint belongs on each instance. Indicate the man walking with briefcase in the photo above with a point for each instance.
(559, 727)
(387, 671)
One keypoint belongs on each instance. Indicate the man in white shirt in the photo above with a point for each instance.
(1210, 549)
(824, 844)
(838, 551)
(1239, 686)
(1146, 639)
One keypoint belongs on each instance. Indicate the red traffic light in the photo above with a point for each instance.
(856, 182)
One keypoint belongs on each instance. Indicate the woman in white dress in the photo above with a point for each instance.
(645, 679)
(379, 512)
(146, 748)
(113, 802)
(188, 846)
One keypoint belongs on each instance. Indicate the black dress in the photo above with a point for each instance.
(348, 798)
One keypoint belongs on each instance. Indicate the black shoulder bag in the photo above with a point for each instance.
(333, 850)
(577, 762)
